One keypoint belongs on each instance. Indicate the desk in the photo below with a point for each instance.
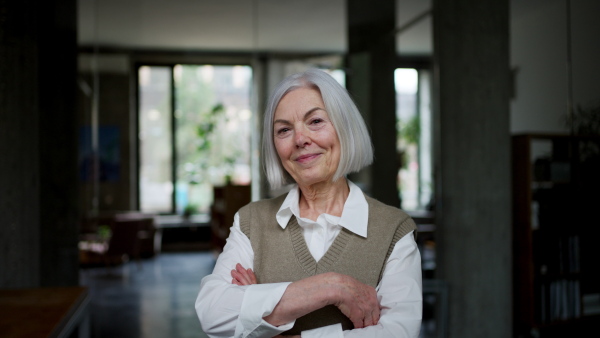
(44, 312)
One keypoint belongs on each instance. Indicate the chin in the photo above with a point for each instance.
(308, 181)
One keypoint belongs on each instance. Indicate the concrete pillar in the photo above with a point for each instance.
(371, 63)
(471, 40)
(38, 143)
(57, 88)
(19, 126)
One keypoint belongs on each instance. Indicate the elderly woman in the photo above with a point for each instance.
(323, 260)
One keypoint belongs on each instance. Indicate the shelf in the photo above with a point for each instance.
(554, 233)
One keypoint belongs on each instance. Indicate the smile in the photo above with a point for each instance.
(306, 158)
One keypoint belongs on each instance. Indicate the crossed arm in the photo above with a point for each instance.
(225, 306)
(356, 300)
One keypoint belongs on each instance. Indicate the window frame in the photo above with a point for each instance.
(422, 64)
(173, 139)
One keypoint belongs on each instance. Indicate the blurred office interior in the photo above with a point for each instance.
(130, 134)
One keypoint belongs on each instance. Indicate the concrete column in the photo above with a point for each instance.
(57, 88)
(19, 128)
(260, 185)
(38, 140)
(371, 64)
(471, 40)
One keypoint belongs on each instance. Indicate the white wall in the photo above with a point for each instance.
(539, 55)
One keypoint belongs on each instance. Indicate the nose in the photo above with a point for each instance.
(302, 140)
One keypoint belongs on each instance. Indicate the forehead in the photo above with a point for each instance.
(299, 100)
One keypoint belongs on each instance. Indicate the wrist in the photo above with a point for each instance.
(330, 292)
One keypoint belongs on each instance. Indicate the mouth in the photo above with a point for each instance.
(306, 158)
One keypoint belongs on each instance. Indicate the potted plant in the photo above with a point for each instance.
(189, 210)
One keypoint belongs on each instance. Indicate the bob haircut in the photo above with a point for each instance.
(355, 142)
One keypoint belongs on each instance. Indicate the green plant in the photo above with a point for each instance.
(190, 209)
(207, 127)
(410, 131)
(104, 232)
(408, 135)
(200, 159)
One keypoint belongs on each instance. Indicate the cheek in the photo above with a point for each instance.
(280, 148)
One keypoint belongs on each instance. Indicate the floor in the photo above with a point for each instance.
(155, 297)
(152, 298)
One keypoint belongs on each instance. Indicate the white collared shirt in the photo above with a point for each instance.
(228, 310)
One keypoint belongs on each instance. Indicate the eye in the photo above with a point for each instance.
(316, 121)
(282, 131)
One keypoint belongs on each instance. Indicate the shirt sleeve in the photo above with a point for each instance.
(229, 310)
(331, 331)
(400, 296)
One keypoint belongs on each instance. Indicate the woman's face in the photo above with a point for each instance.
(306, 142)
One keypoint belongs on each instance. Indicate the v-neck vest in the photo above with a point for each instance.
(282, 255)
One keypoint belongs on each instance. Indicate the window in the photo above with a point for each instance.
(413, 114)
(194, 133)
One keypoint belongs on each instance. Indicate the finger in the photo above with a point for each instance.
(240, 268)
(236, 275)
(374, 313)
(376, 316)
(358, 320)
(236, 282)
(372, 317)
(240, 277)
(242, 271)
(248, 274)
(252, 276)
(368, 320)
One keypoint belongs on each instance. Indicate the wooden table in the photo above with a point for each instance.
(44, 312)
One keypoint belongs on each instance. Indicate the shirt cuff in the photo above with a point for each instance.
(259, 301)
(331, 331)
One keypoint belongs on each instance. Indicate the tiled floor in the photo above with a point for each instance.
(153, 298)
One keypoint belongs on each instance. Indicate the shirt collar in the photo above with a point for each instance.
(354, 218)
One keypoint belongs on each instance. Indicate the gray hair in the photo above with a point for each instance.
(355, 142)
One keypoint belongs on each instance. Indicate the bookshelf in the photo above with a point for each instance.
(556, 181)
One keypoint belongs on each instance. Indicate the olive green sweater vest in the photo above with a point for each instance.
(281, 255)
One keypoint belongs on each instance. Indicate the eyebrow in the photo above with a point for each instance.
(306, 115)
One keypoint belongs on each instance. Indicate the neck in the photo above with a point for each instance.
(324, 198)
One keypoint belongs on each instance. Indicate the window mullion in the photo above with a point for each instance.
(173, 144)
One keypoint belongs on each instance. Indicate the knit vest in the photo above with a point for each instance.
(281, 255)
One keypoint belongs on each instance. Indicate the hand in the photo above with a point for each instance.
(242, 276)
(357, 301)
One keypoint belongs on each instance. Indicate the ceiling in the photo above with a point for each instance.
(237, 25)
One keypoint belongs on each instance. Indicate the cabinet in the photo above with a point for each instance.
(556, 184)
